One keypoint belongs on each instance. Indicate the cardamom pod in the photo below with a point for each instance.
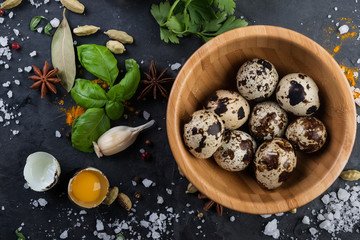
(115, 47)
(191, 189)
(85, 30)
(73, 5)
(111, 196)
(293, 210)
(124, 201)
(121, 36)
(350, 175)
(8, 4)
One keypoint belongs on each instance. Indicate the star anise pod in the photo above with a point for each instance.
(155, 82)
(45, 79)
(210, 203)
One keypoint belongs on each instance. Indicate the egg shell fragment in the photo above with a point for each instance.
(257, 79)
(275, 160)
(267, 121)
(230, 106)
(203, 133)
(41, 171)
(236, 151)
(298, 93)
(307, 133)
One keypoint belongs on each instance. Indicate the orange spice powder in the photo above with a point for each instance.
(72, 113)
(350, 74)
(102, 83)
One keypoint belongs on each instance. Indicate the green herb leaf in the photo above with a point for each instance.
(201, 10)
(215, 24)
(226, 5)
(114, 110)
(47, 29)
(167, 36)
(116, 93)
(88, 94)
(20, 235)
(175, 25)
(99, 61)
(88, 127)
(63, 54)
(160, 12)
(119, 235)
(231, 23)
(35, 22)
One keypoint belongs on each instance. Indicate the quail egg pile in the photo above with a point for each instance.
(228, 130)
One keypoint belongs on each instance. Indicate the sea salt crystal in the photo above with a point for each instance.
(6, 84)
(39, 29)
(343, 29)
(134, 183)
(313, 231)
(17, 82)
(26, 186)
(99, 225)
(28, 68)
(271, 229)
(147, 183)
(64, 234)
(11, 14)
(160, 200)
(57, 134)
(326, 225)
(335, 8)
(32, 54)
(146, 115)
(10, 94)
(279, 214)
(55, 22)
(329, 16)
(144, 223)
(20, 70)
(232, 219)
(16, 31)
(266, 215)
(35, 203)
(175, 66)
(2, 20)
(6, 66)
(42, 202)
(4, 41)
(2, 208)
(82, 212)
(169, 191)
(325, 199)
(320, 217)
(343, 194)
(306, 220)
(153, 217)
(358, 61)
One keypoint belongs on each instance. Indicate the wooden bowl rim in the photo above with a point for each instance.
(179, 150)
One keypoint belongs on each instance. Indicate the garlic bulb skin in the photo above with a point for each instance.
(118, 139)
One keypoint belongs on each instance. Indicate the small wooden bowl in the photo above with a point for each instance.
(214, 66)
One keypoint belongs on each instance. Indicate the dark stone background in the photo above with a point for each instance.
(41, 118)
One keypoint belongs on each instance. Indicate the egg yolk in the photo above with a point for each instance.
(86, 186)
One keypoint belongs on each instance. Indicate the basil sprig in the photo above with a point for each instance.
(96, 120)
(35, 22)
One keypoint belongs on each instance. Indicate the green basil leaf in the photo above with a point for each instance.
(35, 22)
(99, 61)
(47, 29)
(114, 110)
(88, 127)
(19, 235)
(88, 94)
(126, 88)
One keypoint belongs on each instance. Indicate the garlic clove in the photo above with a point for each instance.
(118, 139)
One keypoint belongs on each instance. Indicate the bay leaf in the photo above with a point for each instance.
(63, 54)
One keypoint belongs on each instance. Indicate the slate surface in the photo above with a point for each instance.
(41, 118)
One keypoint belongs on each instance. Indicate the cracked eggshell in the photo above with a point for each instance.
(307, 133)
(257, 79)
(203, 134)
(41, 171)
(236, 151)
(298, 93)
(230, 106)
(267, 121)
(275, 160)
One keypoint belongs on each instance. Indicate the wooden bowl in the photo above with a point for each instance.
(214, 66)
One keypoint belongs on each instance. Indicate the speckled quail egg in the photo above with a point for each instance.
(307, 133)
(236, 151)
(230, 106)
(267, 121)
(298, 93)
(257, 79)
(275, 160)
(203, 134)
(41, 171)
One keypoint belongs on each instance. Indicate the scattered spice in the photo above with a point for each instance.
(138, 112)
(137, 195)
(111, 196)
(124, 201)
(200, 215)
(351, 74)
(45, 79)
(145, 156)
(191, 189)
(155, 82)
(2, 11)
(293, 210)
(350, 175)
(148, 142)
(137, 179)
(72, 113)
(15, 46)
(102, 83)
(210, 203)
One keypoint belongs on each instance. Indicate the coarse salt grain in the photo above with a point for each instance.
(306, 220)
(169, 191)
(64, 234)
(6, 84)
(16, 31)
(28, 68)
(147, 183)
(160, 200)
(175, 66)
(10, 94)
(11, 14)
(55, 22)
(39, 29)
(42, 202)
(232, 219)
(343, 29)
(17, 82)
(99, 225)
(146, 115)
(271, 229)
(32, 54)
(266, 215)
(57, 134)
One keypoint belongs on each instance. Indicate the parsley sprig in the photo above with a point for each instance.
(203, 18)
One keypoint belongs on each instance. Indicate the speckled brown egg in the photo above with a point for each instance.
(236, 151)
(307, 133)
(232, 108)
(267, 121)
(275, 160)
(203, 133)
(298, 93)
(257, 79)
